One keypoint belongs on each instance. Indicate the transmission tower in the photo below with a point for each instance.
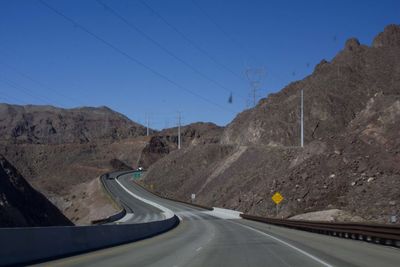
(255, 77)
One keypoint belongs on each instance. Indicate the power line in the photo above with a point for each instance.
(191, 42)
(123, 53)
(5, 96)
(159, 45)
(26, 91)
(42, 85)
(221, 29)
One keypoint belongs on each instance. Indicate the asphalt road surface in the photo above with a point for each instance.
(202, 239)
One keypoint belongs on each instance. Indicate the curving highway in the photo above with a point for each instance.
(205, 238)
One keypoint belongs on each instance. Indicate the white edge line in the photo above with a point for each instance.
(166, 212)
(127, 217)
(287, 244)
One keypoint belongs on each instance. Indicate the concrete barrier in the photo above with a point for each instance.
(117, 216)
(20, 246)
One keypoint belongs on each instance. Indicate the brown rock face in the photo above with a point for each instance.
(390, 37)
(21, 205)
(352, 44)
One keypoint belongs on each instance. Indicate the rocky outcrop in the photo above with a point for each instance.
(166, 141)
(21, 205)
(390, 37)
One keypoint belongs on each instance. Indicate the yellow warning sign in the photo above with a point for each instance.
(277, 198)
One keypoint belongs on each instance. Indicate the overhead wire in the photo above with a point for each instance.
(224, 32)
(159, 45)
(5, 96)
(129, 57)
(190, 41)
(26, 91)
(40, 84)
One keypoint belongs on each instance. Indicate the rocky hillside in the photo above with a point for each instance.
(333, 95)
(21, 205)
(166, 141)
(50, 125)
(61, 151)
(351, 157)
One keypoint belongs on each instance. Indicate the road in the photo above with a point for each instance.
(137, 211)
(202, 239)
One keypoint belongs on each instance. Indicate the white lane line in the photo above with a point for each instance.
(224, 213)
(198, 249)
(167, 212)
(138, 219)
(146, 218)
(324, 263)
(126, 218)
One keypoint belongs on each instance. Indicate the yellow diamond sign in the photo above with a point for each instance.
(277, 198)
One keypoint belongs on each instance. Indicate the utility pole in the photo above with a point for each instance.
(179, 130)
(254, 77)
(302, 120)
(147, 124)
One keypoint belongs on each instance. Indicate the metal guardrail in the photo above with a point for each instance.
(187, 203)
(377, 233)
(173, 199)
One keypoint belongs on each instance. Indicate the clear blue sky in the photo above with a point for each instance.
(45, 59)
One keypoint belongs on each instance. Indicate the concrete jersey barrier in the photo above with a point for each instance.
(35, 244)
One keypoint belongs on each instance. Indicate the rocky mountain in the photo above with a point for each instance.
(333, 95)
(351, 157)
(61, 151)
(21, 205)
(50, 125)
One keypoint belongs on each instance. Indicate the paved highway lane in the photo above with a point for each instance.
(137, 211)
(204, 240)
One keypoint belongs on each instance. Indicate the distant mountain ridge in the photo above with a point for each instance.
(50, 125)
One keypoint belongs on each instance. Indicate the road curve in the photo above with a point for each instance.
(205, 240)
